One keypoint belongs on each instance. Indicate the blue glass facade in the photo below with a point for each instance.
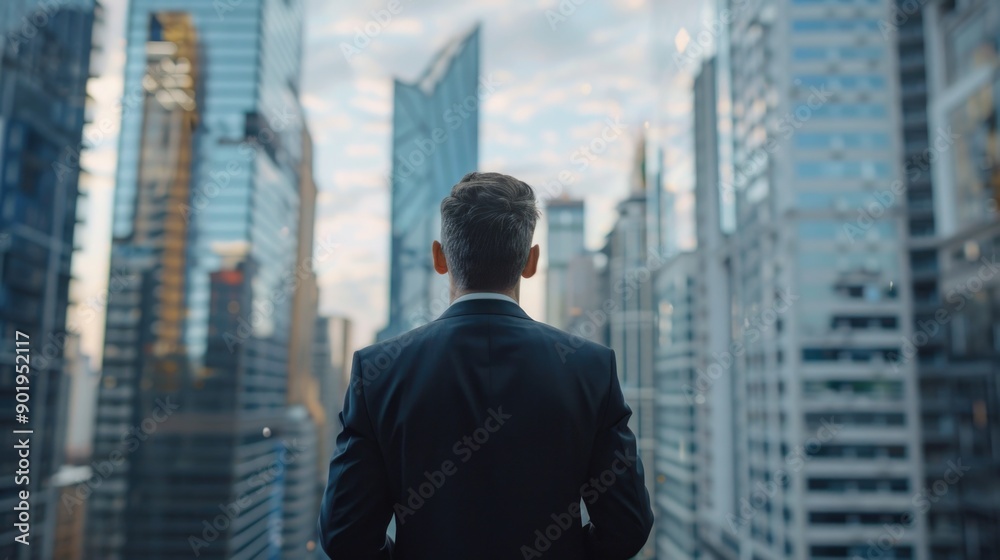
(205, 227)
(44, 65)
(435, 141)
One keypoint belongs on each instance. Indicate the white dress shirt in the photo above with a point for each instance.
(485, 295)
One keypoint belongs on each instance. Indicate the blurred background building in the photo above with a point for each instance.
(565, 242)
(824, 441)
(815, 374)
(45, 62)
(959, 367)
(435, 142)
(201, 372)
(629, 277)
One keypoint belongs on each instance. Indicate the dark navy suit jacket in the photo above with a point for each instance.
(482, 431)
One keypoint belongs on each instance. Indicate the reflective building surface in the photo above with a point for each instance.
(435, 142)
(190, 440)
(960, 379)
(45, 55)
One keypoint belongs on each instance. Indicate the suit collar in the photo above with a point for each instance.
(484, 307)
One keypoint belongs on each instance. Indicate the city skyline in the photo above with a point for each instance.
(350, 118)
(781, 216)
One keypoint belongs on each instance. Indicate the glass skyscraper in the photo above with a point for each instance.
(189, 441)
(565, 218)
(435, 142)
(45, 51)
(960, 374)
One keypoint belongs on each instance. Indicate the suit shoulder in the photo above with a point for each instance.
(577, 343)
(393, 346)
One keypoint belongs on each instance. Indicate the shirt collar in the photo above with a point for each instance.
(485, 295)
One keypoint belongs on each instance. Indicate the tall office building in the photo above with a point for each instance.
(960, 375)
(435, 142)
(45, 55)
(694, 411)
(565, 219)
(305, 416)
(585, 297)
(630, 313)
(712, 391)
(678, 347)
(190, 435)
(827, 453)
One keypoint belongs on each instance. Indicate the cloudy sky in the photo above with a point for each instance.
(562, 71)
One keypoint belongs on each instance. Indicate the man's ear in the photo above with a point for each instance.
(440, 263)
(531, 267)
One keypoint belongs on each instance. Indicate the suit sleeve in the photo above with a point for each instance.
(615, 493)
(356, 505)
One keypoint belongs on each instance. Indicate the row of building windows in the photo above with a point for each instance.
(858, 484)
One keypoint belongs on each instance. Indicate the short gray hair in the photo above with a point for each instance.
(486, 227)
